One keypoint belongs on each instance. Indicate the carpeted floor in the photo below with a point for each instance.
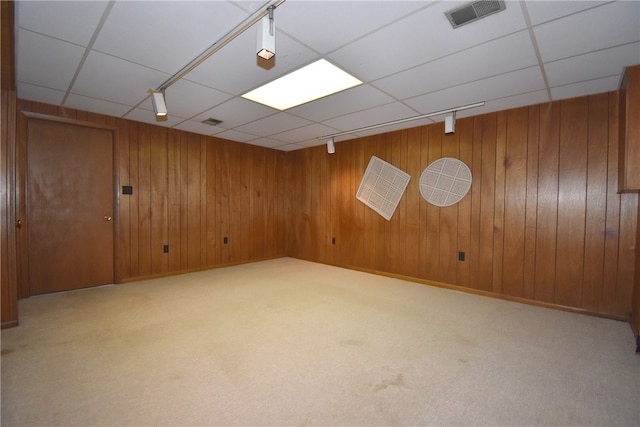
(289, 342)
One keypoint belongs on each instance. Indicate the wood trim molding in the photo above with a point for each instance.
(481, 292)
(40, 116)
(9, 324)
(21, 209)
(8, 53)
(8, 251)
(629, 134)
(195, 270)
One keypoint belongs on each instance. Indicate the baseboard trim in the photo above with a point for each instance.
(520, 300)
(479, 292)
(193, 270)
(9, 324)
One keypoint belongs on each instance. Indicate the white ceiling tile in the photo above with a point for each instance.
(236, 68)
(531, 98)
(373, 116)
(499, 56)
(146, 116)
(420, 38)
(543, 11)
(30, 92)
(290, 147)
(303, 133)
(601, 27)
(198, 127)
(249, 6)
(235, 135)
(265, 142)
(61, 59)
(186, 99)
(397, 126)
(116, 80)
(329, 25)
(360, 97)
(408, 47)
(85, 103)
(72, 21)
(517, 82)
(606, 84)
(236, 112)
(602, 63)
(167, 35)
(272, 125)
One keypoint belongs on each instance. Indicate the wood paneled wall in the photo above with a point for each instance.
(189, 192)
(542, 222)
(8, 271)
(8, 276)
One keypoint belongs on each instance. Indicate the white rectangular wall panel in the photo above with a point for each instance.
(382, 187)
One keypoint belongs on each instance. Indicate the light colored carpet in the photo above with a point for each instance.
(290, 342)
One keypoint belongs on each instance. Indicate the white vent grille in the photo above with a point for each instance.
(382, 187)
(473, 11)
(211, 121)
(445, 182)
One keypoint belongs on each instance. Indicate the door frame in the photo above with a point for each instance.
(24, 119)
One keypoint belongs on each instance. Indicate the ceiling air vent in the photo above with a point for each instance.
(473, 11)
(212, 121)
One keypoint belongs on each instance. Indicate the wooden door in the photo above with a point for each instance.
(69, 206)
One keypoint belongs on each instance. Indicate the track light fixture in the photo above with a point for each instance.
(159, 105)
(408, 119)
(331, 147)
(267, 36)
(450, 124)
(214, 48)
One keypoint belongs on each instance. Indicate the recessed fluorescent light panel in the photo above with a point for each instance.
(309, 83)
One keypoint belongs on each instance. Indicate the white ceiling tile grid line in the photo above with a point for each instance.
(103, 57)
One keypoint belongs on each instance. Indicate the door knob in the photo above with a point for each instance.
(107, 217)
(19, 223)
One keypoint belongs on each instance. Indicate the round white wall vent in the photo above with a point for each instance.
(445, 182)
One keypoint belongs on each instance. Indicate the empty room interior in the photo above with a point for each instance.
(320, 212)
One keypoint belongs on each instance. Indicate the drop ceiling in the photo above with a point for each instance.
(103, 57)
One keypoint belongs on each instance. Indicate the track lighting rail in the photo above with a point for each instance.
(394, 122)
(243, 26)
